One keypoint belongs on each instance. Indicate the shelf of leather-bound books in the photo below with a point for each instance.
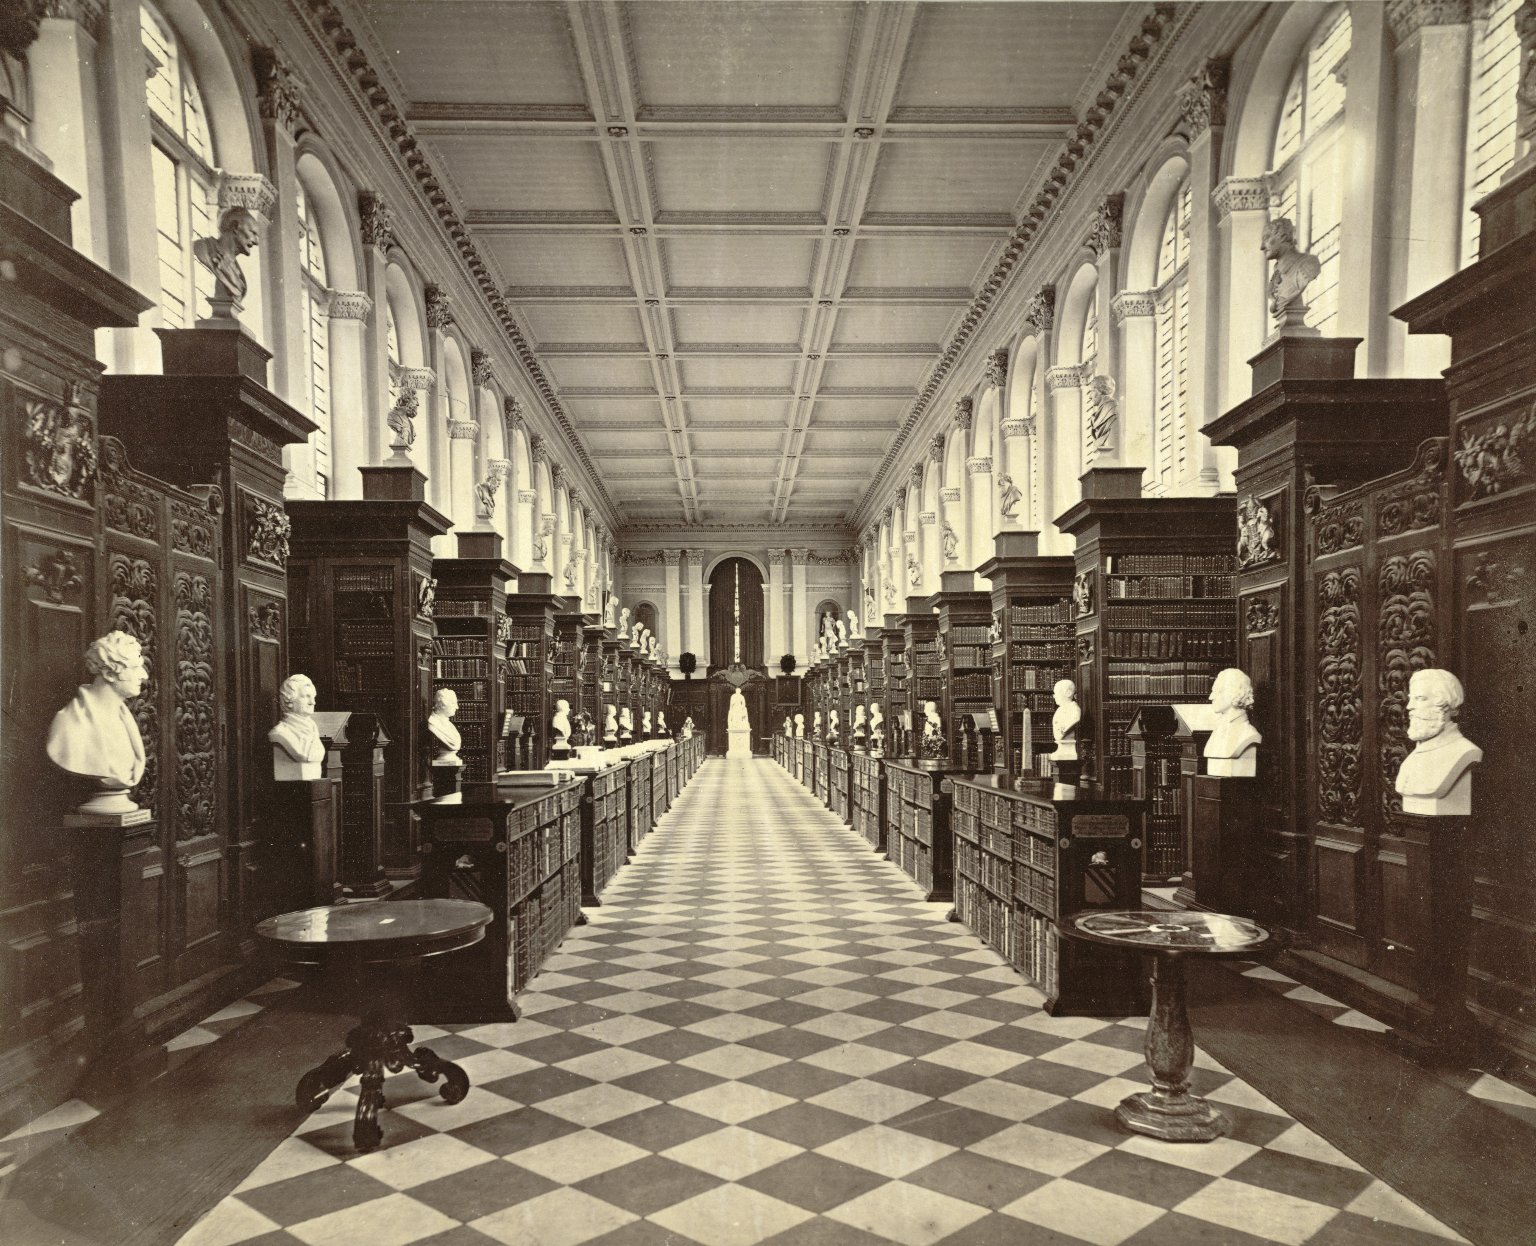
(918, 833)
(925, 661)
(983, 864)
(528, 660)
(469, 618)
(566, 656)
(518, 849)
(837, 783)
(893, 643)
(593, 676)
(965, 663)
(868, 798)
(604, 829)
(640, 822)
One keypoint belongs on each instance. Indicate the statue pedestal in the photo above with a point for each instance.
(1222, 821)
(445, 778)
(740, 744)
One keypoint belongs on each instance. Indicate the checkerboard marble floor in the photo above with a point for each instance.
(765, 1036)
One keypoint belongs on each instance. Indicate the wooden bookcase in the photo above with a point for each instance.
(604, 830)
(516, 849)
(361, 625)
(838, 783)
(1027, 860)
(468, 616)
(531, 613)
(640, 821)
(893, 648)
(868, 798)
(1033, 645)
(965, 652)
(918, 834)
(1155, 621)
(874, 677)
(594, 677)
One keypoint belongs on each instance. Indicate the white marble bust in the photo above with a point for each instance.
(1233, 747)
(799, 726)
(661, 722)
(610, 723)
(560, 725)
(440, 727)
(816, 725)
(611, 612)
(860, 722)
(94, 735)
(1436, 778)
(789, 728)
(626, 724)
(1064, 721)
(297, 749)
(834, 728)
(624, 623)
(688, 727)
(645, 723)
(853, 626)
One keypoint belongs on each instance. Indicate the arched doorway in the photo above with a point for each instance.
(736, 615)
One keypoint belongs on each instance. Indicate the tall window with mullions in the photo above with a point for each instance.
(1307, 173)
(1491, 108)
(317, 339)
(1170, 447)
(182, 159)
(736, 614)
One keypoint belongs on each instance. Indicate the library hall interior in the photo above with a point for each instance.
(767, 622)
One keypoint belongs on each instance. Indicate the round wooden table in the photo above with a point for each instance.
(1168, 1110)
(397, 933)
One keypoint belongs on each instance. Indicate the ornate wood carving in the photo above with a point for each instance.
(59, 446)
(127, 504)
(1261, 615)
(135, 588)
(196, 711)
(267, 529)
(1335, 526)
(266, 620)
(1489, 455)
(1416, 503)
(1405, 643)
(192, 528)
(1083, 595)
(1339, 696)
(1258, 544)
(57, 575)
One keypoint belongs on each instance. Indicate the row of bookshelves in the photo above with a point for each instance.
(1158, 645)
(463, 668)
(452, 609)
(1197, 614)
(1183, 686)
(1196, 586)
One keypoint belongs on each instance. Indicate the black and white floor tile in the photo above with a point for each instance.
(765, 1036)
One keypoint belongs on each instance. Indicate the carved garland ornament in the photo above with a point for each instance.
(267, 529)
(135, 588)
(196, 713)
(1261, 615)
(1489, 456)
(1339, 697)
(1405, 643)
(59, 446)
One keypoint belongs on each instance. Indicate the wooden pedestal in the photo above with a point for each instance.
(303, 831)
(1221, 828)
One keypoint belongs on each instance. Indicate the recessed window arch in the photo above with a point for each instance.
(1307, 166)
(645, 613)
(317, 337)
(1491, 109)
(1089, 357)
(735, 613)
(1170, 447)
(183, 163)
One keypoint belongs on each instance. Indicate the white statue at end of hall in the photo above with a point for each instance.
(94, 735)
(1064, 721)
(445, 735)
(1233, 748)
(738, 729)
(1436, 778)
(297, 749)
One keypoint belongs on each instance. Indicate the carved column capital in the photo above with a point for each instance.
(439, 309)
(463, 430)
(527, 497)
(348, 305)
(556, 474)
(252, 191)
(536, 450)
(513, 410)
(480, 370)
(500, 468)
(89, 15)
(376, 222)
(1064, 376)
(1408, 17)
(1018, 428)
(965, 410)
(936, 447)
(277, 90)
(981, 465)
(928, 518)
(997, 367)
(1240, 194)
(1131, 303)
(775, 559)
(886, 513)
(799, 557)
(1202, 101)
(670, 558)
(1040, 311)
(949, 494)
(1108, 220)
(915, 476)
(417, 378)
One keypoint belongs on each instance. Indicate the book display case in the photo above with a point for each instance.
(361, 597)
(531, 613)
(1033, 646)
(965, 652)
(918, 837)
(567, 655)
(594, 676)
(1027, 860)
(517, 850)
(1155, 617)
(468, 615)
(867, 798)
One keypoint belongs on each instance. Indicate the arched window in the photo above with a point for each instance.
(392, 348)
(827, 610)
(183, 164)
(1172, 346)
(317, 339)
(1089, 355)
(645, 613)
(1307, 174)
(1490, 108)
(735, 614)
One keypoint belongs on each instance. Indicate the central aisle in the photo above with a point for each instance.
(764, 1035)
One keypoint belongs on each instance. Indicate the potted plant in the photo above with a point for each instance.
(687, 663)
(787, 664)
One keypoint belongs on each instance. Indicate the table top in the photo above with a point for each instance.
(1210, 934)
(379, 929)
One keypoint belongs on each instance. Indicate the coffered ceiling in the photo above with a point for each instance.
(740, 233)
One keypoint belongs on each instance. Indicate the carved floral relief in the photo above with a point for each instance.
(135, 588)
(1339, 697)
(1405, 629)
(196, 713)
(59, 446)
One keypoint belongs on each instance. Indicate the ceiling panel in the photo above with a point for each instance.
(738, 261)
(472, 65)
(708, 57)
(739, 176)
(916, 262)
(925, 178)
(636, 411)
(871, 326)
(1002, 56)
(738, 441)
(842, 440)
(597, 372)
(896, 372)
(508, 174)
(887, 411)
(543, 261)
(609, 441)
(556, 325)
(764, 410)
(766, 323)
(743, 372)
